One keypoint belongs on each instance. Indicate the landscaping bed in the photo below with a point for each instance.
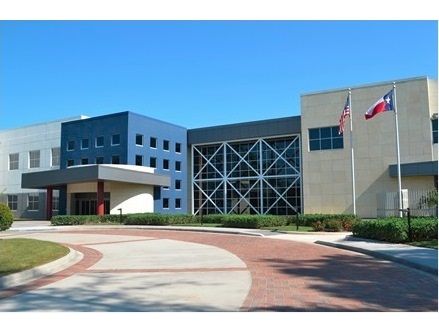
(315, 222)
(23, 254)
(396, 230)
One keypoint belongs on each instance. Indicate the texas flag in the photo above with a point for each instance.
(383, 104)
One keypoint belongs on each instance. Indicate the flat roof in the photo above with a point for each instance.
(246, 130)
(426, 168)
(93, 173)
(356, 87)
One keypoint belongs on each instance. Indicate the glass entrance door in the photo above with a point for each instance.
(86, 203)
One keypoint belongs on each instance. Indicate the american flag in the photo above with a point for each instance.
(346, 113)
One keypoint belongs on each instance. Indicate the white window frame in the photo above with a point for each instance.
(143, 139)
(30, 159)
(96, 142)
(51, 157)
(82, 147)
(13, 202)
(28, 201)
(116, 134)
(18, 161)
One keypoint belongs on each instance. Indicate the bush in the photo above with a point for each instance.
(396, 229)
(329, 222)
(85, 219)
(253, 221)
(6, 217)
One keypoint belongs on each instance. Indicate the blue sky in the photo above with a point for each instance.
(198, 73)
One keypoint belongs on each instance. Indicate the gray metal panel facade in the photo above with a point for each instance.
(428, 168)
(247, 130)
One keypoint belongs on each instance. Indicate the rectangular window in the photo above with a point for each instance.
(99, 141)
(71, 145)
(177, 203)
(178, 184)
(115, 139)
(153, 162)
(55, 157)
(34, 159)
(99, 160)
(177, 148)
(84, 143)
(153, 142)
(166, 145)
(325, 138)
(13, 201)
(55, 203)
(165, 164)
(115, 159)
(139, 160)
(139, 140)
(177, 165)
(70, 163)
(33, 202)
(434, 130)
(165, 203)
(84, 161)
(13, 161)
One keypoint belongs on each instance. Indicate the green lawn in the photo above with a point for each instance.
(425, 243)
(22, 254)
(292, 228)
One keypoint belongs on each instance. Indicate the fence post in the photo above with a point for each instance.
(409, 225)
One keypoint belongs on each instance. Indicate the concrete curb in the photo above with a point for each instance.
(247, 232)
(47, 269)
(380, 255)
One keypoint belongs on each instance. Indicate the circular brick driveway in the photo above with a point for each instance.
(293, 276)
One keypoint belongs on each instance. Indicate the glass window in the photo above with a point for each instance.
(177, 148)
(115, 159)
(84, 161)
(166, 145)
(165, 203)
(99, 141)
(70, 163)
(55, 203)
(153, 162)
(177, 165)
(13, 161)
(166, 188)
(139, 140)
(99, 160)
(178, 184)
(325, 138)
(153, 142)
(165, 164)
(34, 159)
(177, 203)
(139, 160)
(115, 139)
(55, 157)
(33, 202)
(13, 201)
(84, 143)
(71, 145)
(434, 130)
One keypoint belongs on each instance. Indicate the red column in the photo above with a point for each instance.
(100, 204)
(49, 199)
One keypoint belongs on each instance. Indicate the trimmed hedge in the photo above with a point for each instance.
(396, 229)
(85, 219)
(320, 222)
(6, 217)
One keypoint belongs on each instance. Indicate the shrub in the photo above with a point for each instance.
(147, 219)
(396, 229)
(253, 221)
(6, 217)
(73, 219)
(329, 222)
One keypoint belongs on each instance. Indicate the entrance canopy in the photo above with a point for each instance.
(92, 173)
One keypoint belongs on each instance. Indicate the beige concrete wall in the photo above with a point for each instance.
(327, 174)
(132, 198)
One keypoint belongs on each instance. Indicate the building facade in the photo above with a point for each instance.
(28, 149)
(126, 162)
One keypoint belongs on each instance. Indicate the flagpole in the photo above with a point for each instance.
(352, 157)
(398, 157)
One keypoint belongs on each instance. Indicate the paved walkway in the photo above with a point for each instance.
(154, 270)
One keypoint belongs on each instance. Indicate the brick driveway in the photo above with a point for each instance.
(293, 276)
